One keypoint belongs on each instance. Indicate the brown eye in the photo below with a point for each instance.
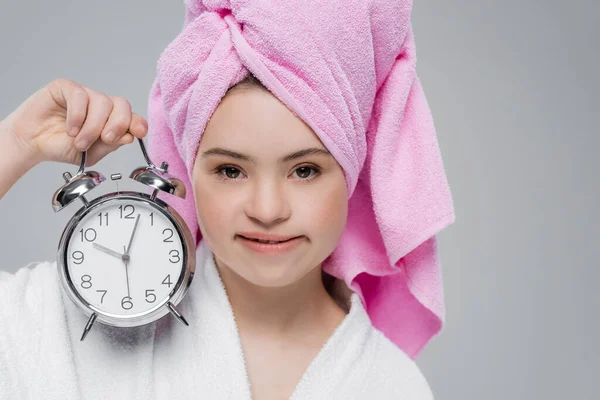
(230, 173)
(304, 172)
(235, 172)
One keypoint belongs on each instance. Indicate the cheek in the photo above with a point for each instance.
(326, 214)
(211, 209)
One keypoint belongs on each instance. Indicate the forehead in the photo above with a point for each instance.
(252, 118)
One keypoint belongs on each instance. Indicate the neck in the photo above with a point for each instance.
(300, 306)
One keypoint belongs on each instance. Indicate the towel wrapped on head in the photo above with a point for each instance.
(347, 69)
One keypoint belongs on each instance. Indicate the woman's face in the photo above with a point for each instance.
(303, 196)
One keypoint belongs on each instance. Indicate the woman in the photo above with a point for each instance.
(261, 326)
(283, 311)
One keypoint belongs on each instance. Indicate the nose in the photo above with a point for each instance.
(268, 204)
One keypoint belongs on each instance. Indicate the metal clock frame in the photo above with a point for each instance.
(150, 175)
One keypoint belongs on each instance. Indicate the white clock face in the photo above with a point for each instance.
(117, 277)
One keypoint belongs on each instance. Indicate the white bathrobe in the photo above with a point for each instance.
(42, 357)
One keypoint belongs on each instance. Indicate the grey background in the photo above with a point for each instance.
(513, 87)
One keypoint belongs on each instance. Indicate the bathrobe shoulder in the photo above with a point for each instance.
(41, 355)
(35, 348)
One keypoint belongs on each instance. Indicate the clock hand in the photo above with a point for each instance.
(126, 261)
(132, 233)
(107, 250)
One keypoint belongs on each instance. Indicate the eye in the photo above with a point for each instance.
(304, 172)
(228, 172)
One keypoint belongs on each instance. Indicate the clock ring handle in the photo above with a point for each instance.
(157, 177)
(77, 186)
(162, 168)
(151, 175)
(82, 164)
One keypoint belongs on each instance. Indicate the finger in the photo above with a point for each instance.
(139, 126)
(118, 121)
(74, 99)
(127, 138)
(99, 110)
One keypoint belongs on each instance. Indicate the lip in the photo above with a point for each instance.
(268, 248)
(263, 236)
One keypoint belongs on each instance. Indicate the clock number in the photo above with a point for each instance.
(168, 240)
(105, 218)
(126, 300)
(174, 253)
(89, 234)
(151, 294)
(128, 216)
(151, 219)
(102, 298)
(77, 256)
(83, 282)
(168, 279)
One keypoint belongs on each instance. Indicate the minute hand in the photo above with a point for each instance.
(132, 234)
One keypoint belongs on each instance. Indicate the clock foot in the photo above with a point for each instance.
(89, 325)
(176, 314)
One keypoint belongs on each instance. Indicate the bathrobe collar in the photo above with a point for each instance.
(214, 322)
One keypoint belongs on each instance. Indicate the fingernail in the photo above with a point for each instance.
(73, 131)
(81, 144)
(110, 136)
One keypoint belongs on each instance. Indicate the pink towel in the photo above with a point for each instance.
(347, 68)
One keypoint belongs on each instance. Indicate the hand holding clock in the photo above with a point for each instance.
(58, 122)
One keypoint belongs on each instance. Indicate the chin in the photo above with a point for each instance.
(272, 277)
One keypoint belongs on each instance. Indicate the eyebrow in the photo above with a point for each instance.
(297, 154)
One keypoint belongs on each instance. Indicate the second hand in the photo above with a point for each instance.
(127, 273)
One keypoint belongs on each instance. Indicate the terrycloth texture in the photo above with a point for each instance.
(41, 356)
(347, 68)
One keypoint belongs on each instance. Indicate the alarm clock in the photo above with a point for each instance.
(125, 258)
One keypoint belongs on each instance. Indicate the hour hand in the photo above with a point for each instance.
(107, 250)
